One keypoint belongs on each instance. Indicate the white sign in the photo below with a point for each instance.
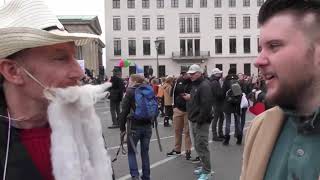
(81, 63)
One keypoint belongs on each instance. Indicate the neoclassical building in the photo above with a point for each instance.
(92, 52)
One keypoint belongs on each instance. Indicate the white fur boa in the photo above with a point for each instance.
(77, 146)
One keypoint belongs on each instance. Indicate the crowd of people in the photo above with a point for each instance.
(192, 103)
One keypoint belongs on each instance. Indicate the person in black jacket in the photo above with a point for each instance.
(137, 130)
(180, 115)
(218, 99)
(200, 113)
(231, 108)
(116, 94)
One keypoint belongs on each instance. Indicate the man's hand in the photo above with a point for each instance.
(186, 97)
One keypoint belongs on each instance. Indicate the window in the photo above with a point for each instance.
(145, 3)
(189, 25)
(189, 47)
(160, 4)
(258, 46)
(197, 47)
(219, 66)
(218, 22)
(260, 2)
(116, 24)
(246, 22)
(217, 3)
(131, 3)
(146, 47)
(232, 45)
(161, 50)
(182, 25)
(232, 22)
(189, 3)
(145, 24)
(131, 24)
(116, 4)
(132, 70)
(162, 70)
(174, 3)
(246, 45)
(160, 23)
(232, 3)
(117, 47)
(233, 66)
(247, 69)
(182, 47)
(203, 3)
(132, 47)
(218, 46)
(196, 24)
(246, 3)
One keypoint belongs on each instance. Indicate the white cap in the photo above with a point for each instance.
(216, 71)
(194, 68)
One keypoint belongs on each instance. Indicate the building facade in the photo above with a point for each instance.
(212, 33)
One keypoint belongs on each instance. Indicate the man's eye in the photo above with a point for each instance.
(274, 46)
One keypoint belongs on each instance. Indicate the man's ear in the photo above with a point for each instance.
(10, 71)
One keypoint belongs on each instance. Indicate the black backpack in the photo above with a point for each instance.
(234, 94)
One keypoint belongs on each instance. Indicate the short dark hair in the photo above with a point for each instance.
(298, 7)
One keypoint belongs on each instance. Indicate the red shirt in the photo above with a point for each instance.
(37, 142)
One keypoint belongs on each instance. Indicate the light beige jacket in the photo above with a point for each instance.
(260, 140)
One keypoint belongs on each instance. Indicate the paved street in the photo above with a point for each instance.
(226, 161)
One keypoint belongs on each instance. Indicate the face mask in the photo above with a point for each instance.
(77, 146)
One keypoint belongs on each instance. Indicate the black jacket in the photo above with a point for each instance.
(117, 89)
(128, 107)
(200, 104)
(181, 86)
(20, 165)
(228, 107)
(217, 92)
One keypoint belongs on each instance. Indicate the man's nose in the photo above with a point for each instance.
(76, 72)
(261, 60)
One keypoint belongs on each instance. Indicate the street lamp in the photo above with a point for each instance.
(157, 44)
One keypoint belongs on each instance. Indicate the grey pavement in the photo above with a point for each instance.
(226, 160)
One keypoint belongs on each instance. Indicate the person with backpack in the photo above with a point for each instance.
(218, 99)
(233, 94)
(139, 108)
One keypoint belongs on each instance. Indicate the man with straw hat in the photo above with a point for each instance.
(45, 132)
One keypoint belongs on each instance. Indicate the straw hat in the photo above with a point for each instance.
(30, 23)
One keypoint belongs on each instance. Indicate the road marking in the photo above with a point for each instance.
(158, 163)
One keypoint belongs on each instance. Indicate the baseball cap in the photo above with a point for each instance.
(194, 68)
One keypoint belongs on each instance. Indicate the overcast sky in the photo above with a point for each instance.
(76, 7)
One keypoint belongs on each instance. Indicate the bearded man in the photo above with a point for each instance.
(283, 143)
(48, 126)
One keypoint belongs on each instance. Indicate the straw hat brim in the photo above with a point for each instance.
(14, 39)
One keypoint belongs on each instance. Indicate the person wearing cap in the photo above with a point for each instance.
(200, 113)
(283, 142)
(180, 115)
(37, 57)
(218, 99)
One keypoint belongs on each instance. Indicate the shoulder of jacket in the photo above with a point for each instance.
(261, 118)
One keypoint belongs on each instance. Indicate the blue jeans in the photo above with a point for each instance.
(142, 134)
(237, 125)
